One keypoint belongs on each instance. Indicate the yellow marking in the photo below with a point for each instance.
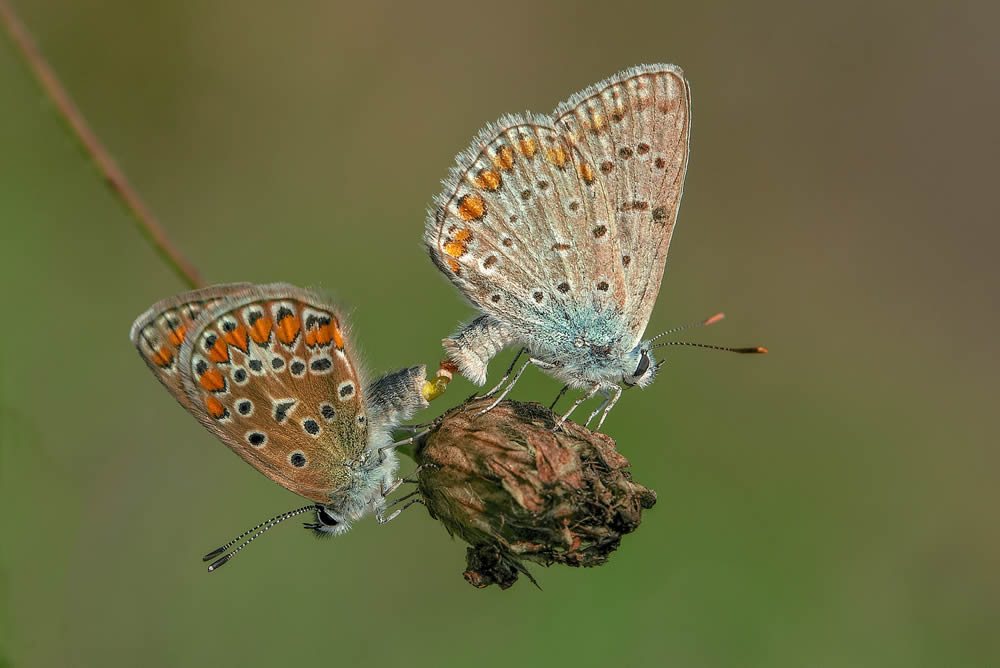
(586, 173)
(528, 147)
(433, 390)
(454, 266)
(463, 234)
(557, 156)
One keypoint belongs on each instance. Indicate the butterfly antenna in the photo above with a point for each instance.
(701, 323)
(752, 349)
(256, 531)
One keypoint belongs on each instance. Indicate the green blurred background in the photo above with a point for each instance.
(831, 504)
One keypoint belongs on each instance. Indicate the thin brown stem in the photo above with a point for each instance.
(115, 178)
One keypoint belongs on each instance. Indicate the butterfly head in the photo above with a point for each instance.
(328, 522)
(639, 367)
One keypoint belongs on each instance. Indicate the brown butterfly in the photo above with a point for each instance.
(268, 370)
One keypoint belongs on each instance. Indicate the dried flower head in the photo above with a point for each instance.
(515, 490)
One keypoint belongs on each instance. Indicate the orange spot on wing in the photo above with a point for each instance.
(457, 246)
(214, 407)
(504, 158)
(455, 267)
(488, 179)
(455, 249)
(288, 329)
(323, 334)
(238, 338)
(528, 147)
(219, 352)
(261, 330)
(176, 336)
(557, 156)
(163, 356)
(338, 338)
(471, 207)
(212, 380)
(586, 173)
(311, 336)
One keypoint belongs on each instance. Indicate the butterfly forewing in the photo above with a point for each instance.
(159, 333)
(636, 128)
(268, 371)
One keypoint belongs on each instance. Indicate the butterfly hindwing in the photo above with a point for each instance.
(268, 371)
(159, 333)
(635, 127)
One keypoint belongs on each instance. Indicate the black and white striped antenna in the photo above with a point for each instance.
(256, 531)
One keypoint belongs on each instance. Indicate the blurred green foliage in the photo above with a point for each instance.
(830, 504)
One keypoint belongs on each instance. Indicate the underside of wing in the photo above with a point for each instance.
(636, 128)
(159, 333)
(567, 218)
(269, 372)
(507, 228)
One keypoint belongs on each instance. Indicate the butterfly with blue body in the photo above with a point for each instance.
(557, 228)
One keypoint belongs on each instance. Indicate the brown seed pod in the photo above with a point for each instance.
(515, 490)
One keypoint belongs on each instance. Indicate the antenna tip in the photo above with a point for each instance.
(213, 554)
(758, 349)
(714, 319)
(220, 562)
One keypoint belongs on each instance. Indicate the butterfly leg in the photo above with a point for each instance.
(402, 498)
(558, 397)
(576, 403)
(395, 513)
(507, 389)
(405, 441)
(618, 394)
(607, 398)
(506, 375)
(412, 428)
(386, 491)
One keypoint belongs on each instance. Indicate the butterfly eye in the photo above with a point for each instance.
(326, 519)
(643, 365)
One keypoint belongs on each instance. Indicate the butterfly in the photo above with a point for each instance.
(557, 228)
(270, 370)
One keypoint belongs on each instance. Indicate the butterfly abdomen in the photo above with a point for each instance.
(473, 347)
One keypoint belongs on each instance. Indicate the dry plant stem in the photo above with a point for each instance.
(146, 222)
